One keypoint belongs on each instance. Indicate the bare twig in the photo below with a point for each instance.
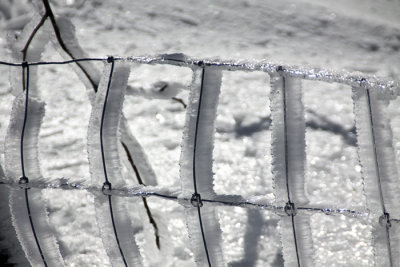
(180, 101)
(49, 13)
(146, 206)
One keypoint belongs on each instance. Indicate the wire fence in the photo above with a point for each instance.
(288, 205)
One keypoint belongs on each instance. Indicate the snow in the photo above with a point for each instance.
(343, 36)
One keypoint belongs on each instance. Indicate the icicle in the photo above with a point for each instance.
(288, 161)
(196, 164)
(117, 230)
(379, 170)
(26, 204)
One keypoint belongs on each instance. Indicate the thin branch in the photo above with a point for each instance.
(35, 30)
(177, 99)
(146, 206)
(49, 13)
(25, 49)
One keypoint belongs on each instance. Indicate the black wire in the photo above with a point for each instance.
(102, 121)
(285, 137)
(378, 174)
(110, 60)
(33, 227)
(196, 131)
(287, 165)
(203, 235)
(115, 230)
(194, 165)
(10, 64)
(26, 65)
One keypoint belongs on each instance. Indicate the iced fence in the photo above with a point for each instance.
(116, 228)
(109, 139)
(29, 215)
(196, 166)
(288, 161)
(381, 180)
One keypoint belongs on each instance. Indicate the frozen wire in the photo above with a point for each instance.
(325, 76)
(378, 175)
(196, 194)
(287, 164)
(107, 184)
(24, 180)
(369, 82)
(143, 192)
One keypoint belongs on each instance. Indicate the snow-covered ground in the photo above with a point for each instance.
(344, 36)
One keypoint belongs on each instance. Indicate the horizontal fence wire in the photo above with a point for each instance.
(387, 87)
(174, 195)
(352, 79)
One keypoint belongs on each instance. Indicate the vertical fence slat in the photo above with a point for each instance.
(288, 161)
(379, 170)
(196, 166)
(29, 214)
(116, 228)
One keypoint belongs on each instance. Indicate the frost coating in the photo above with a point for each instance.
(18, 197)
(110, 126)
(206, 82)
(379, 170)
(20, 220)
(111, 210)
(125, 228)
(210, 82)
(288, 140)
(303, 238)
(288, 161)
(13, 167)
(33, 54)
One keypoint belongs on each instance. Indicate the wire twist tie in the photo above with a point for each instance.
(23, 182)
(280, 69)
(290, 209)
(384, 220)
(25, 64)
(110, 59)
(106, 189)
(196, 200)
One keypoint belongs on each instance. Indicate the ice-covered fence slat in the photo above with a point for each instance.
(29, 214)
(379, 170)
(90, 76)
(288, 161)
(196, 166)
(116, 228)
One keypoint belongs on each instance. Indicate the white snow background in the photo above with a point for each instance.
(345, 36)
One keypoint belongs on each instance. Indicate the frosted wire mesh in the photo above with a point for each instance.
(375, 143)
